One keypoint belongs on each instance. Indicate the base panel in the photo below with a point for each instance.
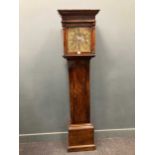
(81, 137)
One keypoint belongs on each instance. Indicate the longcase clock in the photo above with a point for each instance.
(79, 48)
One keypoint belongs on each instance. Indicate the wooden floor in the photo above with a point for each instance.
(106, 146)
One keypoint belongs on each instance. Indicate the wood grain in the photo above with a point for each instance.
(79, 91)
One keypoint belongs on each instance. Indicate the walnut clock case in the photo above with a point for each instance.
(79, 48)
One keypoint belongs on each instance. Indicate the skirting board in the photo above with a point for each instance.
(62, 136)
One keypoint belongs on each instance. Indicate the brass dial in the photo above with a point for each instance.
(79, 40)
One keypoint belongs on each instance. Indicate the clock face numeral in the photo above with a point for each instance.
(79, 40)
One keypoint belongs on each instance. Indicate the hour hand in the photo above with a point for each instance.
(80, 38)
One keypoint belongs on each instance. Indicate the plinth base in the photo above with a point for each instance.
(81, 137)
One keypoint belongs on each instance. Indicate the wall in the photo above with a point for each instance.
(44, 100)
